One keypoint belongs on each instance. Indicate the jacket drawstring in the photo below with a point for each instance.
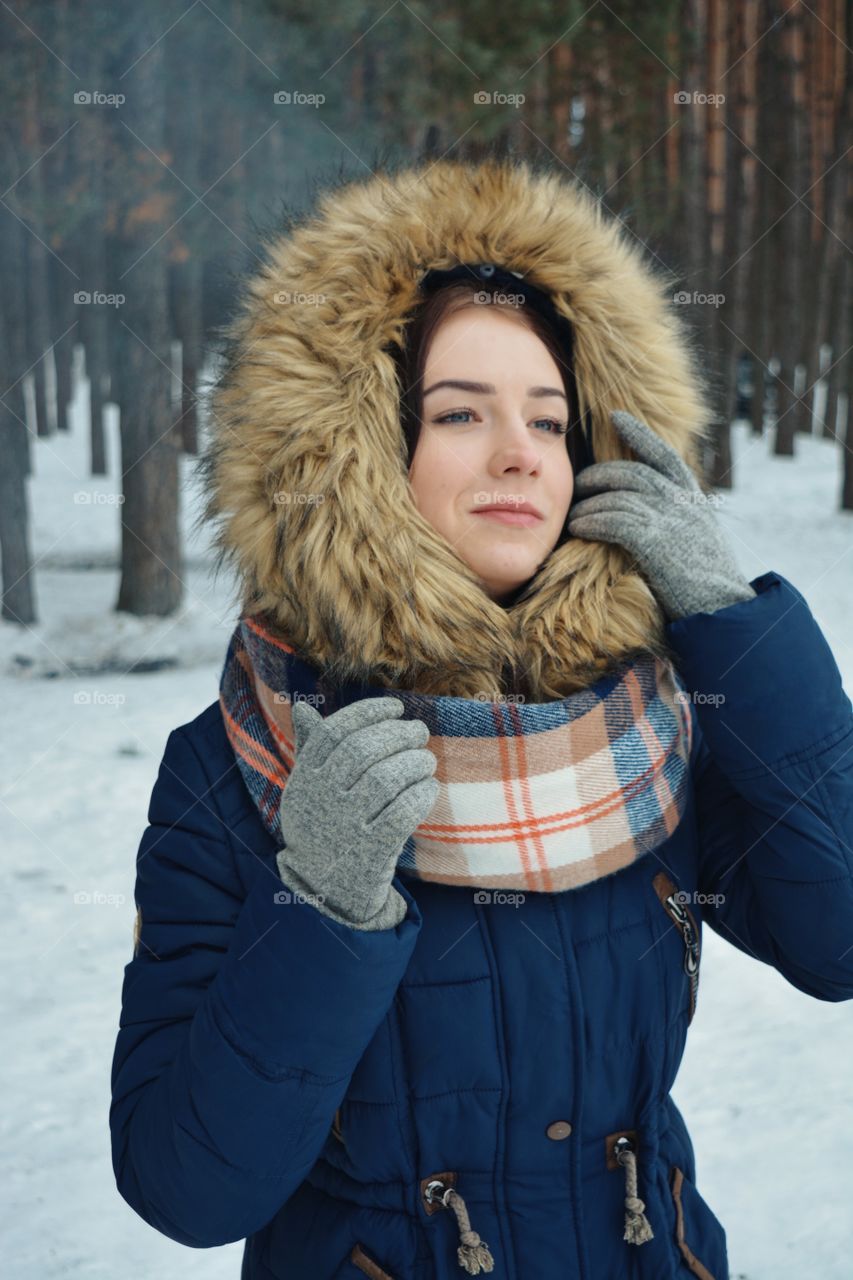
(473, 1253)
(637, 1226)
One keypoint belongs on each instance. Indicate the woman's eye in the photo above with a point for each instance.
(553, 424)
(454, 413)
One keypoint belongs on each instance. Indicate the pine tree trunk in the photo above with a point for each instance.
(845, 379)
(559, 82)
(151, 580)
(18, 590)
(694, 170)
(830, 315)
(791, 408)
(717, 328)
(735, 281)
(18, 587)
(63, 354)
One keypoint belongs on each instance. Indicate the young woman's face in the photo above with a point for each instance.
(498, 443)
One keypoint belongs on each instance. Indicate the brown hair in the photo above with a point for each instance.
(421, 328)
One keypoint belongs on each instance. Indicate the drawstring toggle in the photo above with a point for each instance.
(637, 1226)
(473, 1253)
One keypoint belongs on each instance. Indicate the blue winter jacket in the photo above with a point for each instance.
(287, 1079)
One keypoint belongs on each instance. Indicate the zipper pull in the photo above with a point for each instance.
(691, 947)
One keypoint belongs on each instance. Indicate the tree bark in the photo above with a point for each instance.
(738, 280)
(791, 409)
(18, 589)
(151, 581)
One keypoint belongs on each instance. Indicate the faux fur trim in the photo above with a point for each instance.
(308, 406)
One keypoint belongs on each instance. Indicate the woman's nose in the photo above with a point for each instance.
(516, 449)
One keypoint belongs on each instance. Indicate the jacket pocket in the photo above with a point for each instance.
(684, 920)
(698, 1232)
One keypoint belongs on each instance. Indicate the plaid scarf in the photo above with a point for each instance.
(546, 797)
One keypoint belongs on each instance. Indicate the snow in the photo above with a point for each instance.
(765, 1082)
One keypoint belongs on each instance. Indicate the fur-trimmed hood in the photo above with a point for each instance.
(306, 472)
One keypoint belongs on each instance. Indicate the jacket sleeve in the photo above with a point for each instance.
(773, 778)
(242, 1021)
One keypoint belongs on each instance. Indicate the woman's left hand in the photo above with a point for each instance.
(658, 512)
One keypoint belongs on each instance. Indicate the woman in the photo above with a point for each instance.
(421, 898)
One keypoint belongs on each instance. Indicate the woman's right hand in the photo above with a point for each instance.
(360, 785)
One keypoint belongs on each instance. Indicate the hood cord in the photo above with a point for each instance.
(637, 1226)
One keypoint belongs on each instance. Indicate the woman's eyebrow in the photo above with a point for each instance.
(488, 389)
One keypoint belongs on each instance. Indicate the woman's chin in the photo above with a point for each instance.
(508, 583)
(503, 564)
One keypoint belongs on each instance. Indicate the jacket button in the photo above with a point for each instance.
(559, 1129)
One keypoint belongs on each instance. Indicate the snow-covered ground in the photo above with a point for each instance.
(765, 1085)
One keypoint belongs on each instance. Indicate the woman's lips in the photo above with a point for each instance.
(511, 517)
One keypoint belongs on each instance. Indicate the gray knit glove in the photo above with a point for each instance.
(657, 511)
(360, 785)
